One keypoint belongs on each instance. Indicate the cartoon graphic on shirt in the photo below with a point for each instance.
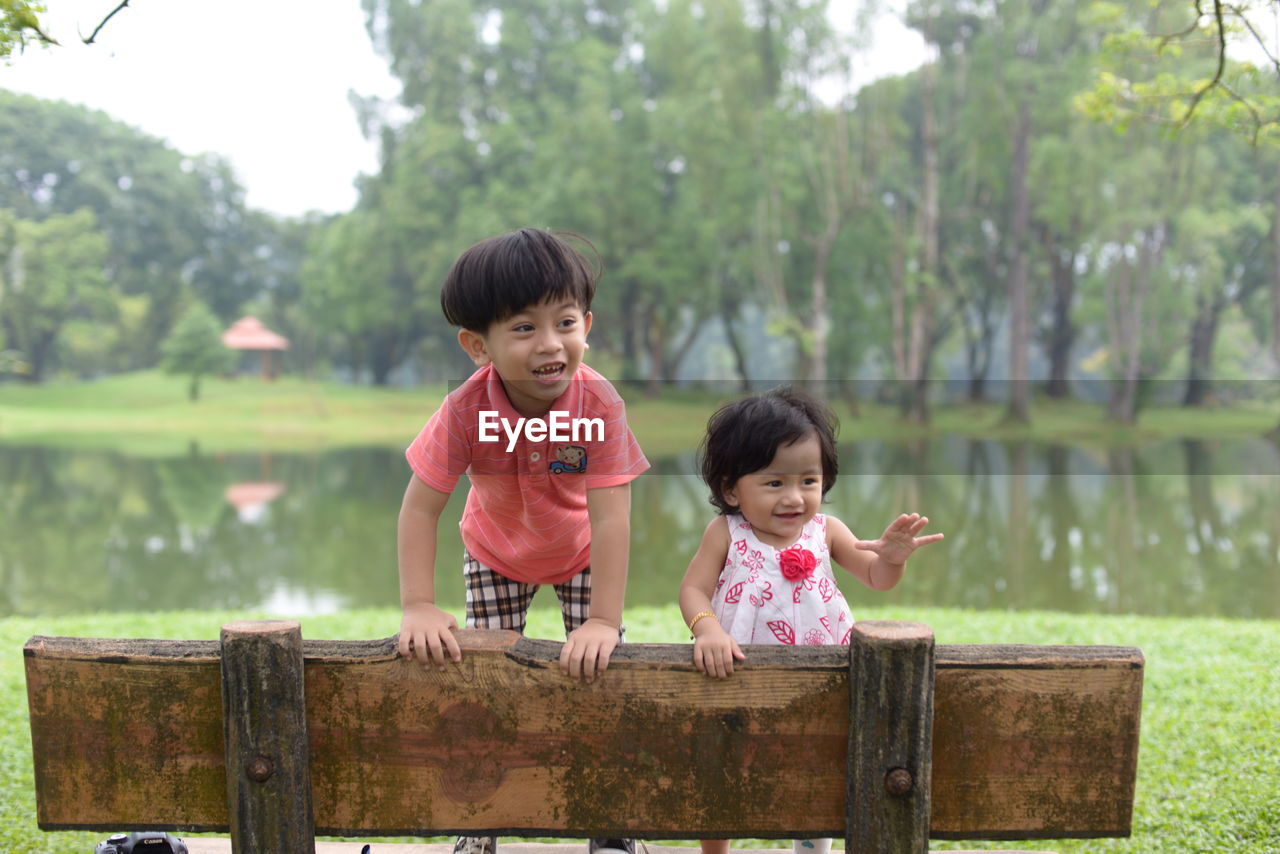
(570, 459)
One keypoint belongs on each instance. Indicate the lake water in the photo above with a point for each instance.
(1181, 528)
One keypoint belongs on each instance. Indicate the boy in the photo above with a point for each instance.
(523, 302)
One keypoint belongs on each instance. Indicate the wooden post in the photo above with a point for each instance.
(890, 738)
(265, 727)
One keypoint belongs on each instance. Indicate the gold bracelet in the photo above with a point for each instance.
(696, 617)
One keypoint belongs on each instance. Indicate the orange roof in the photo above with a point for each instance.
(248, 333)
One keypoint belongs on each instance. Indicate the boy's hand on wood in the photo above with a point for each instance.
(714, 651)
(899, 540)
(426, 635)
(586, 652)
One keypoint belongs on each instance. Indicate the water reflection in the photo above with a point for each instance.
(251, 498)
(1188, 527)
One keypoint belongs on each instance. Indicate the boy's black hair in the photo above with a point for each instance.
(743, 436)
(506, 274)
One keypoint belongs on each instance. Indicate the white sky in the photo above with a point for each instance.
(262, 82)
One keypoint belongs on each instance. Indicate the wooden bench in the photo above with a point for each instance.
(885, 743)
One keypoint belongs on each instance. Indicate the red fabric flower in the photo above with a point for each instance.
(797, 563)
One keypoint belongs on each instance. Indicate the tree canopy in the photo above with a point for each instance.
(758, 218)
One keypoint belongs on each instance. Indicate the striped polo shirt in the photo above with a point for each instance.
(526, 511)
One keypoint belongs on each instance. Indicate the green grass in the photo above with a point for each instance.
(147, 413)
(1209, 767)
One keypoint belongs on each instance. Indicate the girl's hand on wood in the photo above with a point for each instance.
(714, 651)
(900, 539)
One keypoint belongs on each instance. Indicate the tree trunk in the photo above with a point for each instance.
(922, 315)
(829, 178)
(37, 350)
(1019, 339)
(355, 346)
(629, 318)
(898, 308)
(735, 348)
(979, 334)
(672, 366)
(1126, 297)
(821, 317)
(655, 338)
(1275, 290)
(1204, 332)
(977, 387)
(1275, 278)
(1062, 332)
(384, 357)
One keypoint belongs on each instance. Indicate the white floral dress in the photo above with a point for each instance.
(766, 596)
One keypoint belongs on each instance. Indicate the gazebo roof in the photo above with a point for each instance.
(248, 333)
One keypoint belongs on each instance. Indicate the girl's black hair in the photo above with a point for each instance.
(506, 274)
(743, 436)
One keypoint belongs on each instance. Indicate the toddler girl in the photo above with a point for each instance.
(762, 574)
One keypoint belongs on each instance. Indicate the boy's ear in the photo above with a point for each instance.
(473, 344)
(586, 326)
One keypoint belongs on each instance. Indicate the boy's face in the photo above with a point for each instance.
(536, 351)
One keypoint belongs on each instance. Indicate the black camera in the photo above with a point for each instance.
(141, 843)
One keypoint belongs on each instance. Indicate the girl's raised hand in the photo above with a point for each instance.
(900, 539)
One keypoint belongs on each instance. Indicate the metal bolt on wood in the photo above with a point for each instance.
(259, 769)
(898, 782)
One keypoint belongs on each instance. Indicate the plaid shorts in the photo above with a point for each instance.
(497, 602)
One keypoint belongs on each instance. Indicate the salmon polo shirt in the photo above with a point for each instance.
(526, 511)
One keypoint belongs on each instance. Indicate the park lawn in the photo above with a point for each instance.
(148, 414)
(1209, 766)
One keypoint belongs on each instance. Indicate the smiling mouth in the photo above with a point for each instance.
(549, 373)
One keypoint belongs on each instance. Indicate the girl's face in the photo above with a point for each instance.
(779, 499)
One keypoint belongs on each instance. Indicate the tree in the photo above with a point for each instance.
(631, 124)
(1168, 63)
(1165, 68)
(51, 271)
(1216, 258)
(195, 348)
(899, 152)
(175, 224)
(20, 23)
(814, 178)
(365, 288)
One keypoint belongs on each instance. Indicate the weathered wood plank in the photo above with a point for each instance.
(129, 734)
(1035, 742)
(891, 710)
(265, 730)
(123, 737)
